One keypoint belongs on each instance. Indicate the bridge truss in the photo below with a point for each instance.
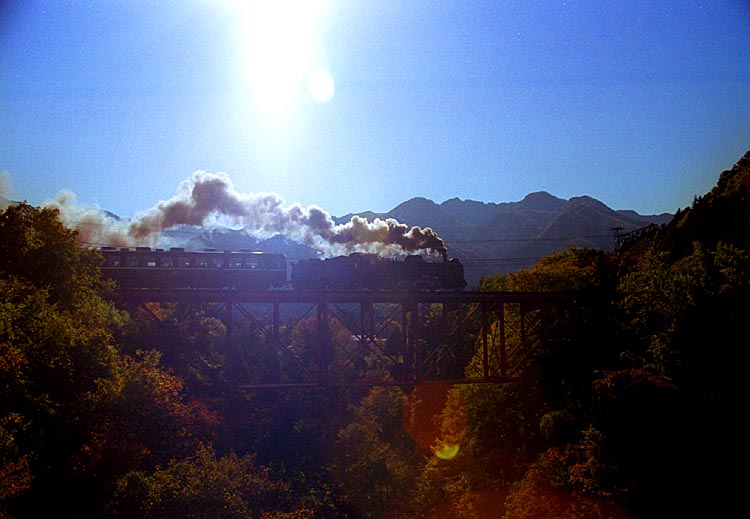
(360, 338)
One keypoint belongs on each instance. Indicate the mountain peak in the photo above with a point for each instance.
(422, 212)
(417, 201)
(539, 195)
(586, 200)
(542, 201)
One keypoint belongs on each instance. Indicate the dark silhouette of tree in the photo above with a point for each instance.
(204, 486)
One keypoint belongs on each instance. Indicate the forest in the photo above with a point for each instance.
(632, 408)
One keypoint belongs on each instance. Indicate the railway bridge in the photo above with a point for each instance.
(390, 338)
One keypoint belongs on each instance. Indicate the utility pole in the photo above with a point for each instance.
(617, 237)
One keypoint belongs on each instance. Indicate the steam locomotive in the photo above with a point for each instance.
(371, 272)
(143, 267)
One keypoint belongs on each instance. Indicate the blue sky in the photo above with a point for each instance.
(639, 104)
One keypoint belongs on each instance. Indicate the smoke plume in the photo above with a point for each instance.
(209, 199)
(94, 226)
(6, 190)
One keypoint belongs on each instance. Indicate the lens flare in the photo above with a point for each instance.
(434, 415)
(447, 452)
(280, 42)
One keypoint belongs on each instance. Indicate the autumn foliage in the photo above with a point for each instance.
(629, 409)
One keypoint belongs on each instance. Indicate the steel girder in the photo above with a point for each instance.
(362, 338)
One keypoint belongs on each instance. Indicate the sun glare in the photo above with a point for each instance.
(320, 84)
(282, 53)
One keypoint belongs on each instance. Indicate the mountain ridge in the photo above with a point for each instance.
(499, 238)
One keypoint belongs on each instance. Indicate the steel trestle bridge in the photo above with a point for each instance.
(391, 338)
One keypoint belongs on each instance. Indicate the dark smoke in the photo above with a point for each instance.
(209, 199)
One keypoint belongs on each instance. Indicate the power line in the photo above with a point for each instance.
(527, 240)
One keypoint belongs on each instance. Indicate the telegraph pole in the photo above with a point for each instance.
(617, 237)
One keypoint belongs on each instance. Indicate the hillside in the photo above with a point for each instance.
(721, 215)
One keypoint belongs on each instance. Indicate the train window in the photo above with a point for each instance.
(114, 261)
(132, 261)
(201, 261)
(150, 261)
(239, 261)
(166, 261)
(183, 261)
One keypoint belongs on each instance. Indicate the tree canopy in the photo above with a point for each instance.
(627, 407)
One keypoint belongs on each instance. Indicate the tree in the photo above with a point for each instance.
(37, 248)
(204, 486)
(566, 483)
(74, 412)
(191, 343)
(373, 464)
(141, 418)
(505, 428)
(55, 348)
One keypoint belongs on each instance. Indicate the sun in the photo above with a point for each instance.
(282, 53)
(321, 86)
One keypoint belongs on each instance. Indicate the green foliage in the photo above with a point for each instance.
(449, 481)
(571, 269)
(373, 466)
(202, 486)
(36, 248)
(655, 297)
(55, 348)
(627, 404)
(54, 362)
(504, 428)
(74, 412)
(661, 299)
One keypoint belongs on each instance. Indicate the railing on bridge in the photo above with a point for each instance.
(377, 338)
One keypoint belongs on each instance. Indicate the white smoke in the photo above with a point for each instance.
(94, 225)
(6, 190)
(209, 199)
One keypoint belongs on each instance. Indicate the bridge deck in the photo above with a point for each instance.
(174, 295)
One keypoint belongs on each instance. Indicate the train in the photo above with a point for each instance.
(371, 272)
(144, 267)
